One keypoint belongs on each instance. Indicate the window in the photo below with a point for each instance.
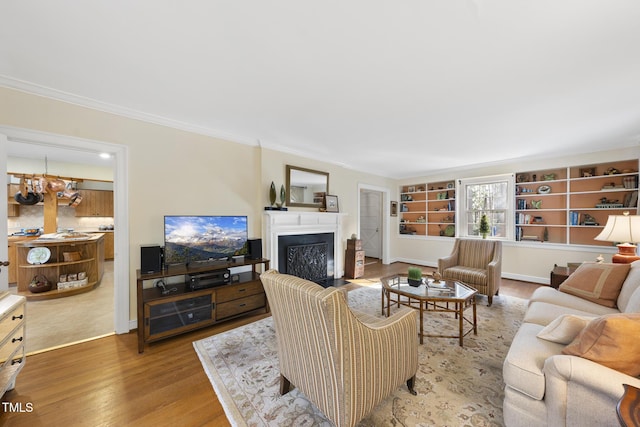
(491, 196)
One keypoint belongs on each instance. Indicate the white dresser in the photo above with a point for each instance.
(12, 339)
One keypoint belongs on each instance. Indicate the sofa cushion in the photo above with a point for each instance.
(543, 313)
(629, 288)
(612, 341)
(522, 367)
(555, 297)
(564, 328)
(597, 282)
(466, 274)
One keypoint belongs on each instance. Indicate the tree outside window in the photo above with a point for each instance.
(490, 196)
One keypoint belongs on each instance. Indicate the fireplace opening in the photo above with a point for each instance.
(309, 256)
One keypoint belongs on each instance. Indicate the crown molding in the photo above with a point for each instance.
(58, 95)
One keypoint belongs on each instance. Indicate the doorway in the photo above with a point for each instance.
(373, 228)
(118, 278)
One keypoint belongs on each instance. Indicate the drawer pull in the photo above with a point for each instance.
(242, 290)
(16, 339)
(17, 317)
(242, 305)
(13, 362)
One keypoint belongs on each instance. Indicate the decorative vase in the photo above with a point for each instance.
(272, 194)
(283, 195)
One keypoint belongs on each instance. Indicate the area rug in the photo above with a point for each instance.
(457, 386)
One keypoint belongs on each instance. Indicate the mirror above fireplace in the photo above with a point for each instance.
(306, 187)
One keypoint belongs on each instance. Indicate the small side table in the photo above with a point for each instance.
(628, 408)
(559, 275)
(354, 259)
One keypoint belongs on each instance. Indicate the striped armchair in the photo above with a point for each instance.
(343, 361)
(475, 262)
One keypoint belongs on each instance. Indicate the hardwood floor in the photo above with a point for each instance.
(106, 382)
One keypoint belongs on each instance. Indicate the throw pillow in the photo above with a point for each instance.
(610, 340)
(599, 283)
(564, 328)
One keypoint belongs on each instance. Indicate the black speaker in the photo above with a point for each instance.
(150, 259)
(255, 248)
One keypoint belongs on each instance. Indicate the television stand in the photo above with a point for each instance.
(166, 315)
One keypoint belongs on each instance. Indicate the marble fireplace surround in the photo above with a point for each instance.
(280, 223)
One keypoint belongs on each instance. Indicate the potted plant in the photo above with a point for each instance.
(484, 226)
(414, 276)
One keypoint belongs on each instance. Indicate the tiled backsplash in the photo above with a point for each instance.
(33, 217)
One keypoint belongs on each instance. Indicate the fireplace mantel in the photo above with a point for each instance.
(278, 223)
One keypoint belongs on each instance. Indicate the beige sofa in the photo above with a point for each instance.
(543, 386)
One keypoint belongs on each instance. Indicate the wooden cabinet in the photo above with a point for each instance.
(90, 262)
(95, 203)
(354, 259)
(12, 339)
(428, 209)
(181, 310)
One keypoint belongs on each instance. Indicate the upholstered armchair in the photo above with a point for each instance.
(475, 262)
(343, 361)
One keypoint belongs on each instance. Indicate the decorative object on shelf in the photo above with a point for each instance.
(534, 177)
(587, 172)
(421, 219)
(272, 194)
(411, 189)
(414, 276)
(611, 171)
(622, 228)
(39, 283)
(549, 177)
(39, 255)
(522, 177)
(588, 220)
(283, 194)
(545, 235)
(450, 185)
(331, 203)
(71, 256)
(450, 231)
(394, 208)
(272, 199)
(600, 259)
(536, 204)
(484, 226)
(606, 203)
(544, 189)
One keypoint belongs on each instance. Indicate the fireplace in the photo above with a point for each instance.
(310, 256)
(305, 244)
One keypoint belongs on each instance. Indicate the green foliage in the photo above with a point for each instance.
(414, 273)
(484, 225)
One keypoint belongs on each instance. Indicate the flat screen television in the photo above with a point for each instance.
(203, 238)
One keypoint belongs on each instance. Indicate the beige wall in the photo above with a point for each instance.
(177, 172)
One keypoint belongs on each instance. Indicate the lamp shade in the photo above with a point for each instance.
(621, 228)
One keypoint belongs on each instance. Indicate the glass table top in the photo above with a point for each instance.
(445, 289)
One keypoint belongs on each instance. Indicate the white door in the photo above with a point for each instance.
(4, 249)
(371, 223)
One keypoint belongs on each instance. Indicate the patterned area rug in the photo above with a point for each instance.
(457, 386)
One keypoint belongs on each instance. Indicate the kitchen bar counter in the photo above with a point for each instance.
(57, 268)
(13, 261)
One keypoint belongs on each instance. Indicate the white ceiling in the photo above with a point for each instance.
(395, 88)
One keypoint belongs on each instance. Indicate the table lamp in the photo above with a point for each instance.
(622, 228)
